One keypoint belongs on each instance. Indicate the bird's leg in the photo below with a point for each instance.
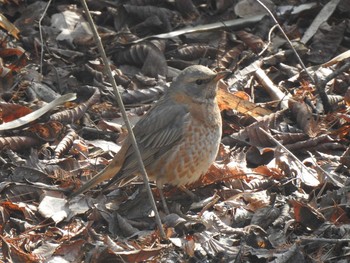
(162, 197)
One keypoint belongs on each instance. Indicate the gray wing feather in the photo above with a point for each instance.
(155, 134)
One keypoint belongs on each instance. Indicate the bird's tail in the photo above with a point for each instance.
(107, 173)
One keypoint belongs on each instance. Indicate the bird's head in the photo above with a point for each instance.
(197, 82)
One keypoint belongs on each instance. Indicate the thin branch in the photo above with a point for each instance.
(286, 37)
(285, 149)
(41, 37)
(125, 117)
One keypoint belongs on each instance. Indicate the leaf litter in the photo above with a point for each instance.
(278, 189)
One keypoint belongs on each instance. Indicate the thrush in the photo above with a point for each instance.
(178, 137)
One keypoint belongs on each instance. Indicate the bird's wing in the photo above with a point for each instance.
(156, 134)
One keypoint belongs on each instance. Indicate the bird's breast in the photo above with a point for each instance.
(195, 152)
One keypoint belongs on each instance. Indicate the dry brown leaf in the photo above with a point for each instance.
(7, 25)
(304, 117)
(10, 112)
(307, 215)
(228, 101)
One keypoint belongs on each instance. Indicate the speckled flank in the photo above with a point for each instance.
(192, 157)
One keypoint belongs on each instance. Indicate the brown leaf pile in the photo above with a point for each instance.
(278, 190)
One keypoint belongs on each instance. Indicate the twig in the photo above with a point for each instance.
(285, 149)
(286, 37)
(274, 92)
(269, 39)
(233, 23)
(125, 117)
(336, 72)
(41, 37)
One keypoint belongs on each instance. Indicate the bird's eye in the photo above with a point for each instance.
(199, 82)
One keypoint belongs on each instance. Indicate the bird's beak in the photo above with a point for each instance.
(222, 74)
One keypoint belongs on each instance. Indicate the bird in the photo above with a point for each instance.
(178, 137)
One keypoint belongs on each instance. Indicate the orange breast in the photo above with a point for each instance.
(191, 158)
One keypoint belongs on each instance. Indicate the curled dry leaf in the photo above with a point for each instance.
(230, 58)
(304, 117)
(146, 26)
(45, 249)
(289, 137)
(193, 51)
(80, 149)
(173, 220)
(260, 183)
(310, 143)
(335, 99)
(255, 200)
(214, 222)
(15, 158)
(90, 69)
(66, 142)
(72, 115)
(221, 47)
(145, 81)
(143, 95)
(338, 215)
(254, 42)
(207, 242)
(17, 143)
(109, 126)
(167, 17)
(48, 131)
(146, 55)
(137, 255)
(283, 216)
